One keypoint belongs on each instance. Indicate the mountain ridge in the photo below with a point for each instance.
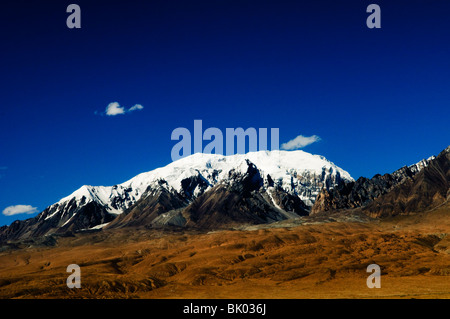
(363, 192)
(426, 190)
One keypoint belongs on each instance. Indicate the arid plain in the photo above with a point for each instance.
(312, 260)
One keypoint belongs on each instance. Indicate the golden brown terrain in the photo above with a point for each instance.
(325, 260)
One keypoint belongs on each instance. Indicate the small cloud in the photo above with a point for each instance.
(114, 109)
(299, 142)
(19, 209)
(135, 107)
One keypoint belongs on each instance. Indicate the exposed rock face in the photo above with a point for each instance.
(391, 194)
(194, 185)
(288, 202)
(428, 189)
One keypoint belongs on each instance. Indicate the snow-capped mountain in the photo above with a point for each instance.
(296, 173)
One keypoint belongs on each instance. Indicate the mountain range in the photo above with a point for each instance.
(201, 190)
(209, 191)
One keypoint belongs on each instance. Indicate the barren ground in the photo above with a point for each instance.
(326, 260)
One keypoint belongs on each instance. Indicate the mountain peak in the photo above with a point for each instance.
(280, 165)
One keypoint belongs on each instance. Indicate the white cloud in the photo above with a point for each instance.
(299, 142)
(136, 107)
(114, 109)
(19, 209)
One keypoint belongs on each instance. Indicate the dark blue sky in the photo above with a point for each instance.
(378, 98)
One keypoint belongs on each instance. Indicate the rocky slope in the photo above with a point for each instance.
(426, 190)
(364, 192)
